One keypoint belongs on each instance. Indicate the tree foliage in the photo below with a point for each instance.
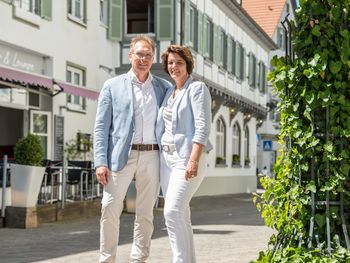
(315, 133)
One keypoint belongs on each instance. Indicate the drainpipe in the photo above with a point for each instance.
(181, 18)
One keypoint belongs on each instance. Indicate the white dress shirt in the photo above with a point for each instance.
(145, 110)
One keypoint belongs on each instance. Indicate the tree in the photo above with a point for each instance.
(309, 201)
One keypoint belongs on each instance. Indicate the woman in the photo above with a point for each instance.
(183, 127)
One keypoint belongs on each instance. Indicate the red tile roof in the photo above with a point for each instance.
(266, 13)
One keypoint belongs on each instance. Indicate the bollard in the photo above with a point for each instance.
(63, 192)
(4, 178)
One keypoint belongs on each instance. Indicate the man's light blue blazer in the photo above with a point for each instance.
(191, 117)
(114, 125)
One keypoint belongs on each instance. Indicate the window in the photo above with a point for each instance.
(231, 46)
(236, 144)
(190, 27)
(104, 12)
(222, 48)
(252, 70)
(262, 77)
(220, 142)
(76, 76)
(208, 38)
(139, 16)
(280, 38)
(13, 95)
(246, 146)
(77, 10)
(34, 99)
(40, 125)
(239, 63)
(32, 6)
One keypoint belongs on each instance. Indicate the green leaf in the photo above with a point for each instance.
(320, 220)
(316, 31)
(335, 67)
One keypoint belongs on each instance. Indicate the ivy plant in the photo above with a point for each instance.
(313, 167)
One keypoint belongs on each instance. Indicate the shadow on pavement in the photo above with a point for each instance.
(72, 237)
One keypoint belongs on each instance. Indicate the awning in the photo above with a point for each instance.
(24, 78)
(76, 90)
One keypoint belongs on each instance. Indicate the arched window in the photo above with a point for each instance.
(246, 146)
(236, 144)
(220, 141)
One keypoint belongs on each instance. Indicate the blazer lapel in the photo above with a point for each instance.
(130, 92)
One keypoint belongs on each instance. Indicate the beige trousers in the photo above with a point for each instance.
(144, 165)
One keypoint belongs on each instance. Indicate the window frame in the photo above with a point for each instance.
(220, 135)
(71, 14)
(236, 141)
(126, 22)
(75, 102)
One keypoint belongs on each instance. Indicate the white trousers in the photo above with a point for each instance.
(144, 165)
(178, 193)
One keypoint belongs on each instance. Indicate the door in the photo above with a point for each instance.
(40, 124)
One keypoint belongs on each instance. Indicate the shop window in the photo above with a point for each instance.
(34, 100)
(220, 142)
(139, 16)
(236, 144)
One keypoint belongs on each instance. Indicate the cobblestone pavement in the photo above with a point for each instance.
(228, 229)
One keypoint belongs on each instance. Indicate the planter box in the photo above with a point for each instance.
(7, 197)
(25, 183)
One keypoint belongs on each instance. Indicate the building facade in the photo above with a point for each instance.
(65, 50)
(269, 15)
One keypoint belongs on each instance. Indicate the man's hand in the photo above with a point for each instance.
(102, 175)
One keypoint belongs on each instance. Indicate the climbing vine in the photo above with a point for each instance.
(308, 203)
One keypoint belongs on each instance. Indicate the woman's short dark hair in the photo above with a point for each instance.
(183, 52)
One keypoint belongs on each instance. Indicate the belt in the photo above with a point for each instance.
(145, 147)
(168, 148)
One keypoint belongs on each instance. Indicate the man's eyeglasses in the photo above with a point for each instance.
(145, 56)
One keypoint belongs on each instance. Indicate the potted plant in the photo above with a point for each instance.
(220, 160)
(27, 172)
(246, 161)
(236, 159)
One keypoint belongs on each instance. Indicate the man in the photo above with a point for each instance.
(125, 147)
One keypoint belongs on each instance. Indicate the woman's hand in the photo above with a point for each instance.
(191, 169)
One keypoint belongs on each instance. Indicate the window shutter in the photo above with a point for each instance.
(200, 32)
(186, 23)
(85, 11)
(257, 74)
(165, 20)
(229, 54)
(115, 20)
(244, 64)
(216, 46)
(224, 52)
(46, 9)
(206, 45)
(250, 69)
(233, 57)
(238, 60)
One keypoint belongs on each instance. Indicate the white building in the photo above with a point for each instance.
(54, 57)
(66, 49)
(269, 15)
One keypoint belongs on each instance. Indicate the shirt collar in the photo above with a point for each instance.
(135, 80)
